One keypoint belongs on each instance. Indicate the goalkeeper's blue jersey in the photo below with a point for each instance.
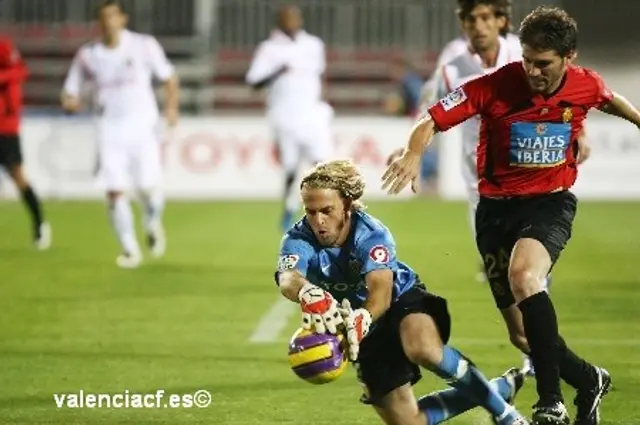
(342, 270)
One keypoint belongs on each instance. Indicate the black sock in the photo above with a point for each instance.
(33, 205)
(574, 370)
(288, 184)
(541, 330)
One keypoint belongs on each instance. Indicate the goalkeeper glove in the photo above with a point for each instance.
(357, 323)
(319, 309)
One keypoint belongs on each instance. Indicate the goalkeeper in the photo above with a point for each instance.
(339, 253)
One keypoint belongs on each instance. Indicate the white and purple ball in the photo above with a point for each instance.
(317, 358)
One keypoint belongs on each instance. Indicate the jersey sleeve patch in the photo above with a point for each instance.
(288, 262)
(453, 99)
(379, 254)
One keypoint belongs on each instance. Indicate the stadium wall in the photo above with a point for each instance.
(234, 158)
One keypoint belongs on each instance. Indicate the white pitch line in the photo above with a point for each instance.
(273, 322)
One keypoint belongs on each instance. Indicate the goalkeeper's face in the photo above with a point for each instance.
(328, 215)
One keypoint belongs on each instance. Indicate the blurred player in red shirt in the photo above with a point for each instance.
(13, 72)
(532, 113)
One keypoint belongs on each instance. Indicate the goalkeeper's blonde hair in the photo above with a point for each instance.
(341, 175)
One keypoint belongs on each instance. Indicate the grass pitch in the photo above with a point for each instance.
(70, 320)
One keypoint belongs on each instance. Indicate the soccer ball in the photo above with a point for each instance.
(317, 358)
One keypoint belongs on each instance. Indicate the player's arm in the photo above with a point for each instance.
(456, 107)
(319, 308)
(164, 71)
(620, 107)
(378, 259)
(12, 68)
(377, 256)
(70, 96)
(291, 283)
(264, 68)
(380, 289)
(293, 263)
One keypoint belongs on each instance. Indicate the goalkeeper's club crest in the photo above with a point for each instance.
(288, 262)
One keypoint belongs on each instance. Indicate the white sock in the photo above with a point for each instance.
(292, 203)
(122, 221)
(154, 207)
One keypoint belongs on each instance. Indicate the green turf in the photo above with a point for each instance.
(70, 320)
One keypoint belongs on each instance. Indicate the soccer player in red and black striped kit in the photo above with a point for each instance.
(13, 72)
(532, 115)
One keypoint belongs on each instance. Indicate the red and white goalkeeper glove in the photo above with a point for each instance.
(357, 323)
(319, 309)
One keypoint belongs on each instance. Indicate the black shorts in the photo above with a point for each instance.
(10, 151)
(382, 364)
(500, 223)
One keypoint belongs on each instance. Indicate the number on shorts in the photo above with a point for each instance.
(496, 264)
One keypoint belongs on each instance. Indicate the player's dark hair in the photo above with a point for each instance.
(501, 8)
(107, 3)
(550, 28)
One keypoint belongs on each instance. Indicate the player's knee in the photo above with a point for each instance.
(18, 177)
(520, 342)
(524, 282)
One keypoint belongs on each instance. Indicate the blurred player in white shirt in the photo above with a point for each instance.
(291, 64)
(461, 44)
(484, 46)
(485, 52)
(121, 67)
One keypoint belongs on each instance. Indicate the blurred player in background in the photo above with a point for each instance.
(532, 116)
(121, 67)
(486, 45)
(338, 252)
(13, 72)
(291, 64)
(457, 46)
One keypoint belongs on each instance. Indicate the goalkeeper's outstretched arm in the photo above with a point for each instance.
(291, 282)
(379, 289)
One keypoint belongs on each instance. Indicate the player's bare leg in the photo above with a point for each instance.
(529, 266)
(153, 200)
(122, 220)
(41, 230)
(422, 345)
